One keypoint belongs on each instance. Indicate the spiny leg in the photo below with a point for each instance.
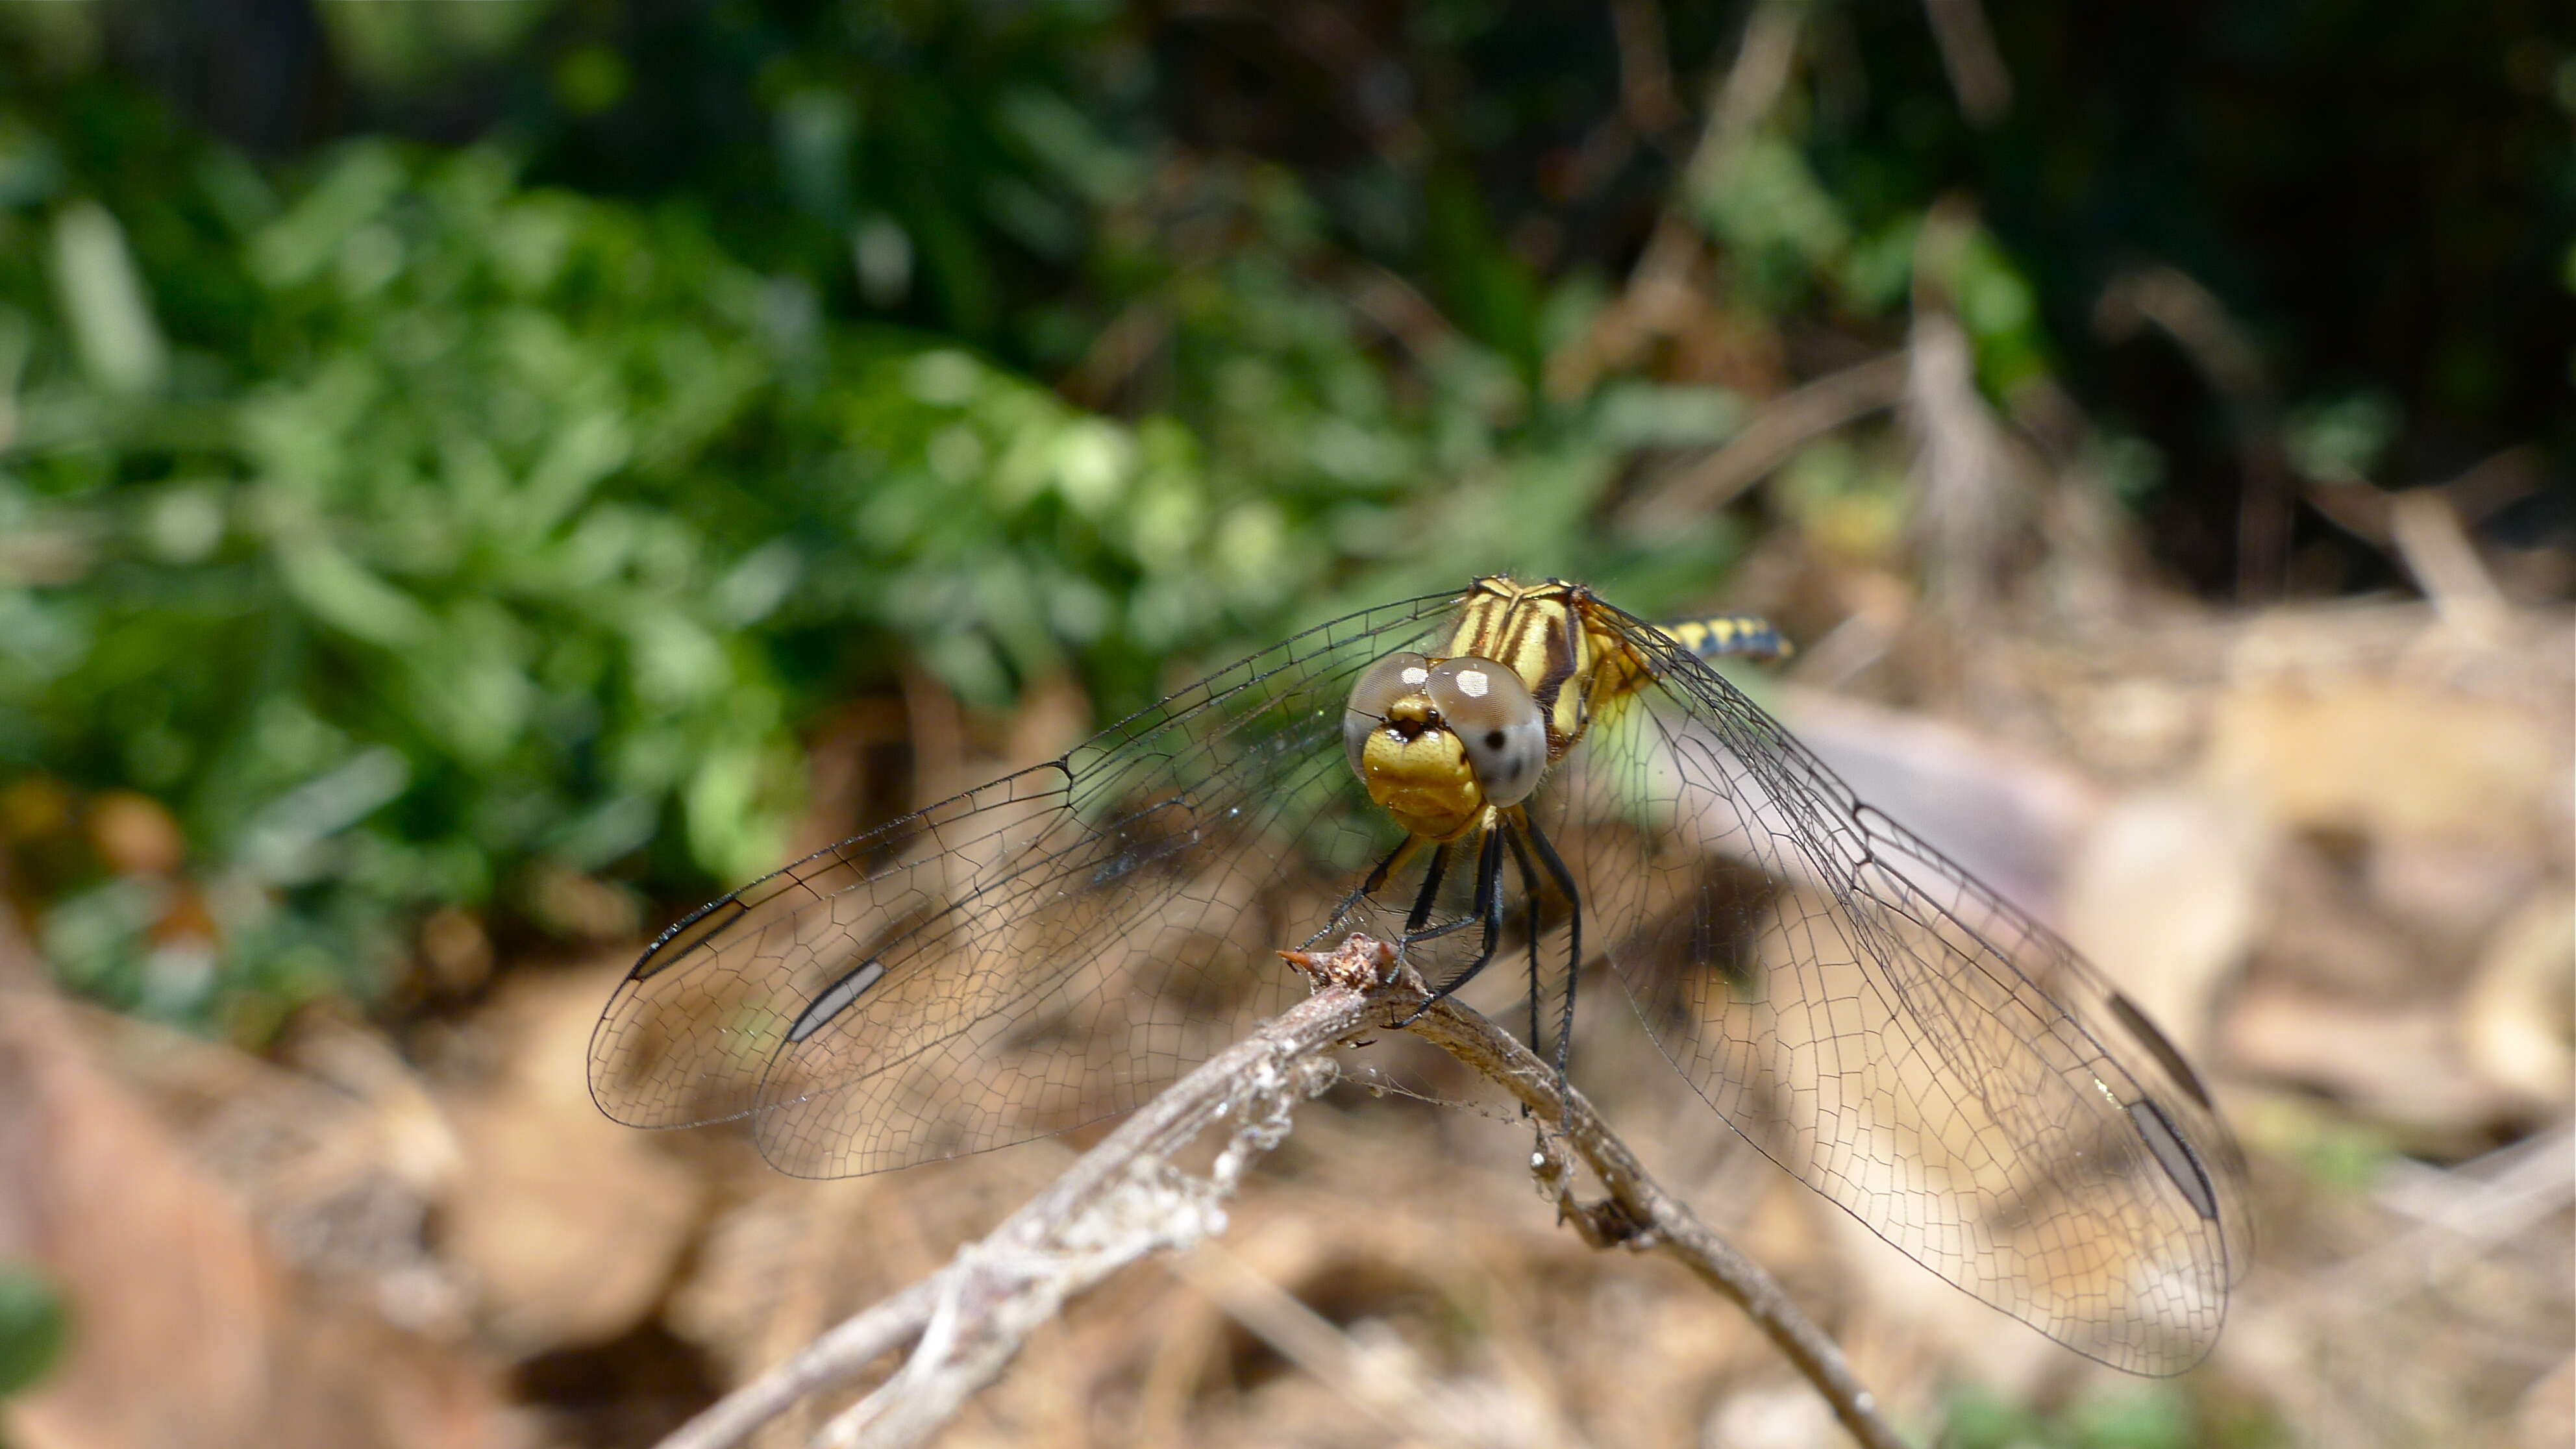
(1574, 924)
(1489, 909)
(1376, 879)
(1369, 885)
(1529, 888)
(1417, 927)
(1420, 915)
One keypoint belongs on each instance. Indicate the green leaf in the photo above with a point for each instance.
(343, 594)
(105, 298)
(296, 246)
(35, 1327)
(2153, 1417)
(1766, 200)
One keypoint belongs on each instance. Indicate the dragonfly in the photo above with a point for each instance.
(1521, 770)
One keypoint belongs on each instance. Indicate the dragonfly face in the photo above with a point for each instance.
(1055, 946)
(1437, 744)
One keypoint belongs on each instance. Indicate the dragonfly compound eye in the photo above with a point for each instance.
(1390, 679)
(1491, 712)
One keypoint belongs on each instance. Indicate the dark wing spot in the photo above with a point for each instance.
(2174, 1156)
(1493, 739)
(691, 933)
(2163, 1050)
(836, 999)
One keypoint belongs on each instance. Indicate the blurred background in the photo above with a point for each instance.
(478, 479)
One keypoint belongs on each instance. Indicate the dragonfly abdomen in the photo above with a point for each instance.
(1720, 635)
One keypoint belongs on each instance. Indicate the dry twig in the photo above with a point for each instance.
(1120, 1202)
(1969, 54)
(1660, 296)
(1636, 1212)
(1125, 1200)
(1783, 426)
(1382, 1377)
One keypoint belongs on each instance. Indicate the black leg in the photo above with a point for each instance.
(1376, 879)
(1574, 951)
(1417, 927)
(1422, 904)
(1374, 882)
(1489, 910)
(1529, 888)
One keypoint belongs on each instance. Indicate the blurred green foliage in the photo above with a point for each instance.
(499, 525)
(474, 460)
(417, 534)
(34, 1327)
(2157, 1416)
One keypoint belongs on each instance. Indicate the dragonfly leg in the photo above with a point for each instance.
(1574, 922)
(1376, 879)
(1489, 910)
(1374, 882)
(1529, 888)
(1421, 912)
(1417, 926)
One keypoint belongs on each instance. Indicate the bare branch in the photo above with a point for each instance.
(1638, 1213)
(1124, 1201)
(1751, 86)
(1384, 1380)
(1966, 476)
(1779, 429)
(1645, 72)
(1120, 1202)
(2426, 533)
(2439, 552)
(1968, 53)
(1660, 296)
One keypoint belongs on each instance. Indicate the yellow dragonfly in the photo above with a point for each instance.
(1519, 770)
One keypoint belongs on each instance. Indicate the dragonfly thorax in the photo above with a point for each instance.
(1438, 743)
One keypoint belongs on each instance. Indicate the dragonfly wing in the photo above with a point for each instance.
(1038, 953)
(1891, 1032)
(689, 1034)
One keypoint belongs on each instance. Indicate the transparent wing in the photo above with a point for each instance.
(1892, 1033)
(1038, 953)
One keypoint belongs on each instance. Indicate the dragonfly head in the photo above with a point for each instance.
(1437, 743)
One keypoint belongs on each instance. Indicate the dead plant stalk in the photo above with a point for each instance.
(1125, 1200)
